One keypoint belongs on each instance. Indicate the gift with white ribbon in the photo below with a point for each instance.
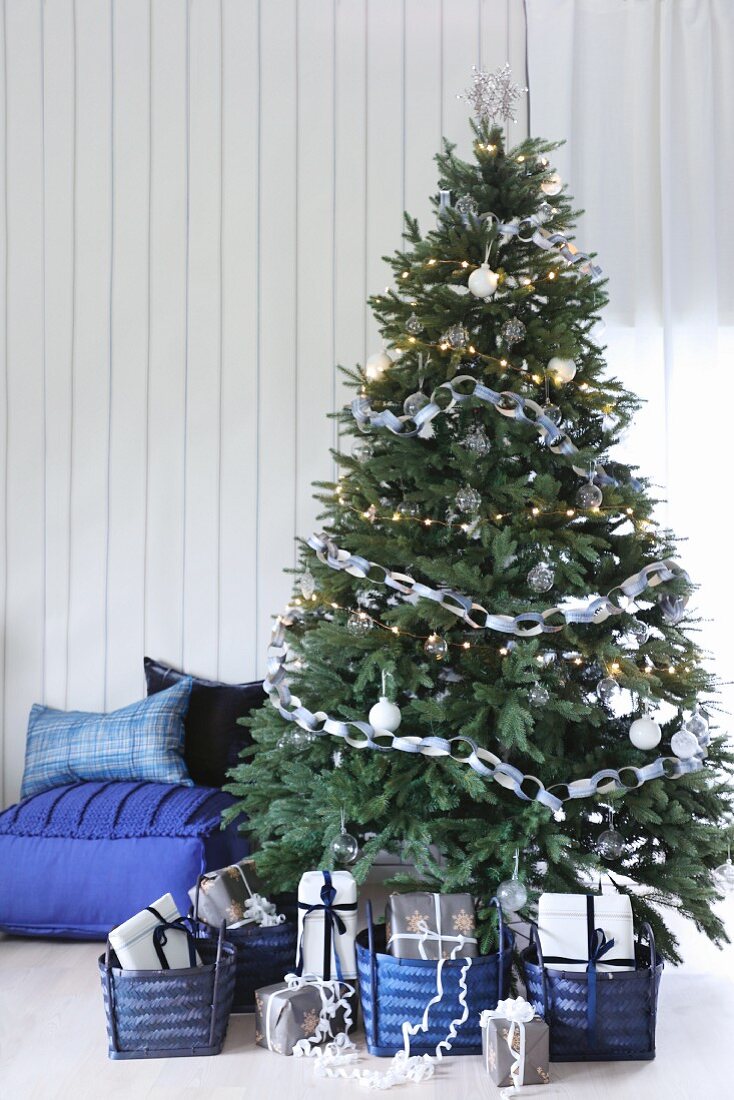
(300, 1012)
(515, 1044)
(450, 917)
(236, 895)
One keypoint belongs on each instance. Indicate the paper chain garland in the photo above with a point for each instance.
(549, 241)
(525, 625)
(505, 402)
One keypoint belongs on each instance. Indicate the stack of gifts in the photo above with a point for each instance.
(301, 1012)
(154, 939)
(431, 926)
(515, 1044)
(327, 924)
(234, 895)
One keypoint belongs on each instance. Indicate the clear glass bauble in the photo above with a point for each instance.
(512, 895)
(436, 646)
(697, 724)
(538, 695)
(589, 496)
(610, 844)
(684, 744)
(606, 689)
(307, 584)
(414, 402)
(344, 848)
(640, 631)
(457, 336)
(414, 325)
(408, 509)
(361, 452)
(477, 442)
(553, 185)
(645, 733)
(285, 741)
(513, 331)
(541, 577)
(553, 413)
(724, 877)
(467, 499)
(299, 738)
(466, 205)
(545, 211)
(359, 623)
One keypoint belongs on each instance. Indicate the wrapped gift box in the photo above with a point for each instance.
(447, 918)
(133, 941)
(567, 924)
(301, 1008)
(224, 895)
(518, 1041)
(332, 896)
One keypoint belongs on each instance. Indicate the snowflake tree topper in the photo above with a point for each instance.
(493, 95)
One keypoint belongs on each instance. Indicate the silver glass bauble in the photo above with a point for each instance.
(640, 631)
(610, 844)
(414, 325)
(589, 496)
(408, 509)
(466, 205)
(513, 331)
(553, 413)
(545, 211)
(359, 623)
(457, 336)
(607, 688)
(467, 499)
(307, 584)
(344, 848)
(512, 895)
(436, 646)
(538, 695)
(697, 725)
(477, 442)
(414, 402)
(541, 577)
(684, 744)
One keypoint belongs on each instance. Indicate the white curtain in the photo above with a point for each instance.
(642, 91)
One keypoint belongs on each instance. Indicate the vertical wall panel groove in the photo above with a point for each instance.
(196, 198)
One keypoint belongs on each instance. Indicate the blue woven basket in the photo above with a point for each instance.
(394, 990)
(264, 955)
(626, 1006)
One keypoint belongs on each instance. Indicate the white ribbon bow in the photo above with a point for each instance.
(519, 1012)
(258, 910)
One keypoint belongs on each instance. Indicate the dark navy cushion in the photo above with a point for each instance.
(78, 860)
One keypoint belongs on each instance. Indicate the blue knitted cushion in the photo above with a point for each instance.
(143, 741)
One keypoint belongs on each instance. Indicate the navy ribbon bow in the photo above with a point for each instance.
(160, 939)
(333, 924)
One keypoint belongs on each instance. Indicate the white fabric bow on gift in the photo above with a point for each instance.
(519, 1012)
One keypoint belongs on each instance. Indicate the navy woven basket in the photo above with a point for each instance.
(264, 955)
(626, 1006)
(169, 1013)
(394, 990)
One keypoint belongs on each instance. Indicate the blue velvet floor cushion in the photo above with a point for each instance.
(78, 860)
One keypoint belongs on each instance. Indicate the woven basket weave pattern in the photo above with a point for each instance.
(264, 957)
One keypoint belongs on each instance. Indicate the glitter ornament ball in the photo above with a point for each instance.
(414, 402)
(344, 848)
(376, 365)
(457, 336)
(538, 695)
(436, 646)
(553, 185)
(684, 744)
(640, 631)
(483, 282)
(607, 688)
(467, 499)
(512, 895)
(645, 733)
(413, 325)
(563, 370)
(362, 451)
(477, 442)
(541, 577)
(307, 584)
(553, 413)
(408, 509)
(545, 211)
(610, 844)
(589, 496)
(359, 623)
(724, 877)
(513, 331)
(466, 205)
(697, 725)
(385, 715)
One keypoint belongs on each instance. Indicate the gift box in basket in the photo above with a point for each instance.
(436, 1003)
(303, 1010)
(264, 938)
(327, 924)
(449, 920)
(515, 1044)
(171, 1010)
(600, 1000)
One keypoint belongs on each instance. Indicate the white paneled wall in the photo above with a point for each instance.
(195, 196)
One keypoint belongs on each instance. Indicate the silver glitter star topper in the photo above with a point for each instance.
(493, 95)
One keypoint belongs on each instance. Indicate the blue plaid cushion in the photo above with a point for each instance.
(141, 742)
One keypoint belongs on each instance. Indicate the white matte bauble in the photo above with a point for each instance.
(483, 282)
(645, 733)
(376, 365)
(564, 370)
(385, 715)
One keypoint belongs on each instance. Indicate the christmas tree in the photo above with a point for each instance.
(497, 585)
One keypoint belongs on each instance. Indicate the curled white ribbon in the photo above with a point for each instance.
(413, 1029)
(518, 1012)
(334, 996)
(260, 911)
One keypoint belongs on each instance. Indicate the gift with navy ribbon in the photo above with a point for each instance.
(327, 924)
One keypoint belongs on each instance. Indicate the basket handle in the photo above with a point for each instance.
(502, 933)
(196, 897)
(650, 936)
(215, 990)
(373, 970)
(110, 996)
(535, 941)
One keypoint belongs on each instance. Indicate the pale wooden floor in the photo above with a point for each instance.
(53, 1045)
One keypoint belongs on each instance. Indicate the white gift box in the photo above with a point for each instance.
(133, 940)
(564, 924)
(311, 924)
